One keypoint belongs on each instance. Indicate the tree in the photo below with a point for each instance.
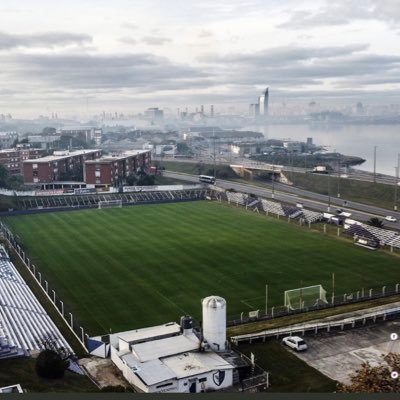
(49, 130)
(146, 180)
(53, 360)
(50, 365)
(374, 221)
(376, 379)
(131, 180)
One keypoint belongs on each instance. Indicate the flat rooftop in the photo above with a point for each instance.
(195, 363)
(165, 347)
(117, 157)
(151, 372)
(61, 157)
(170, 328)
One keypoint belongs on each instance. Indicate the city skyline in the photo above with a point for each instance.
(131, 56)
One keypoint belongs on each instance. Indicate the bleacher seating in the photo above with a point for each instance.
(92, 200)
(311, 216)
(23, 321)
(382, 236)
(272, 207)
(237, 198)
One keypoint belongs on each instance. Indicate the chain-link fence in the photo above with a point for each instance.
(333, 301)
(73, 323)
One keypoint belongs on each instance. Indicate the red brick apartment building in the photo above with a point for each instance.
(113, 170)
(55, 167)
(12, 159)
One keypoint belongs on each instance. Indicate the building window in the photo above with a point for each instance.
(98, 181)
(164, 385)
(34, 166)
(97, 174)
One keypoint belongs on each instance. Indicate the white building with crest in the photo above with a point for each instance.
(178, 359)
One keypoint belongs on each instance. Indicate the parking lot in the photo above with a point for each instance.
(339, 354)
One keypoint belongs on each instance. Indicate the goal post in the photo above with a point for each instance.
(310, 296)
(110, 204)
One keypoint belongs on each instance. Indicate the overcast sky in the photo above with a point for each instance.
(125, 55)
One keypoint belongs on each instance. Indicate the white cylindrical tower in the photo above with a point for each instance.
(214, 322)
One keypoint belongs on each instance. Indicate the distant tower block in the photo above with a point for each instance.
(214, 322)
(202, 109)
(263, 102)
(212, 111)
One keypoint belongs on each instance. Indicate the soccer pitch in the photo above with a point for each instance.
(138, 266)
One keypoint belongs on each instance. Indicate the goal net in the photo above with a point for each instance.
(309, 296)
(110, 204)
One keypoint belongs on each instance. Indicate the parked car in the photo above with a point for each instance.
(295, 343)
(390, 218)
(339, 210)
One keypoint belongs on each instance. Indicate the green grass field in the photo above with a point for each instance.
(128, 268)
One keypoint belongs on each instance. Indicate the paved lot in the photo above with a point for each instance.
(103, 372)
(338, 355)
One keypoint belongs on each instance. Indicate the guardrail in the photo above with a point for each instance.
(315, 327)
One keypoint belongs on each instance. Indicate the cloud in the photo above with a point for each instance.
(82, 71)
(46, 39)
(343, 12)
(205, 34)
(155, 40)
(283, 54)
(295, 67)
(129, 25)
(128, 40)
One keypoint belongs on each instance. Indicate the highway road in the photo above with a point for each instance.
(355, 174)
(293, 195)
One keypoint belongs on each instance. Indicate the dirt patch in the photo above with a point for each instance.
(103, 372)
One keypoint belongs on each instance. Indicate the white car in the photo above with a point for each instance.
(390, 218)
(295, 343)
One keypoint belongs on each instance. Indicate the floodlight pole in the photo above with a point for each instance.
(333, 288)
(266, 299)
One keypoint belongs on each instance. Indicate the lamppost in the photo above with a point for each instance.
(329, 191)
(396, 184)
(273, 181)
(338, 177)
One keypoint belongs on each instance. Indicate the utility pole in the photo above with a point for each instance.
(375, 164)
(333, 288)
(266, 299)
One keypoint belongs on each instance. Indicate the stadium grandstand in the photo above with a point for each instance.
(24, 324)
(93, 200)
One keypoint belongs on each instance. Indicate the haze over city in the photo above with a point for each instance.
(126, 56)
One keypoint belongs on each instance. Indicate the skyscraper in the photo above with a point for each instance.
(263, 102)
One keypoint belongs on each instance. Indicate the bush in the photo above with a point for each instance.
(116, 389)
(50, 365)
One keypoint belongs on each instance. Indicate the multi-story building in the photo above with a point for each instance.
(154, 114)
(62, 165)
(7, 139)
(113, 170)
(12, 159)
(86, 133)
(263, 103)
